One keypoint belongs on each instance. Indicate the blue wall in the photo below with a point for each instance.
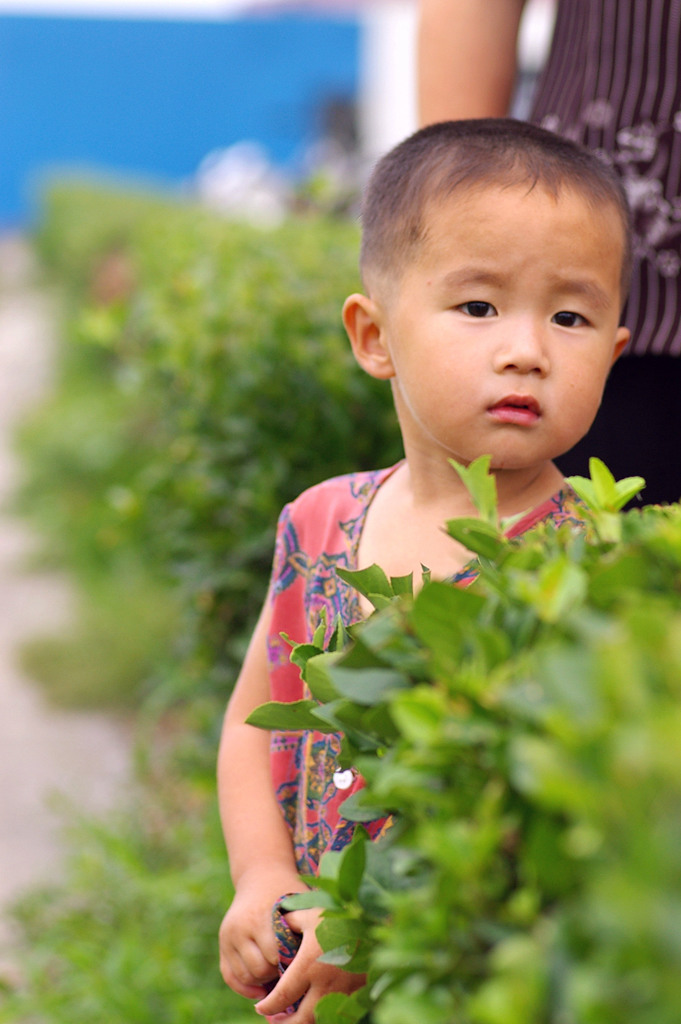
(152, 98)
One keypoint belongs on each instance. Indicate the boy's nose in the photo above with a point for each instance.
(523, 350)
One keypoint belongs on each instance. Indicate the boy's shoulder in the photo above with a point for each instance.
(324, 520)
(562, 507)
(338, 494)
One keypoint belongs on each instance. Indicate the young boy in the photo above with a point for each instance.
(494, 258)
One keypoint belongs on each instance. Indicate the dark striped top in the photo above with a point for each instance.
(612, 81)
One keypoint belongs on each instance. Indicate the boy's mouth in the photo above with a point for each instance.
(523, 410)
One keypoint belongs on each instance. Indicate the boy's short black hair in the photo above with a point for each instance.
(435, 161)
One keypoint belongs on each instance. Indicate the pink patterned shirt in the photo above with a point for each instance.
(318, 533)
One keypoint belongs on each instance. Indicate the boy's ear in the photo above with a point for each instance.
(363, 320)
(621, 338)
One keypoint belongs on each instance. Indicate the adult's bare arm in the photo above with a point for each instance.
(466, 58)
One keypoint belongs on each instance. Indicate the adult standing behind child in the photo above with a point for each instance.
(494, 258)
(612, 82)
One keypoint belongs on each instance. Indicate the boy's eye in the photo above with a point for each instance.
(478, 308)
(568, 319)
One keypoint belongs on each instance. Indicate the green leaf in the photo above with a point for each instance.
(371, 580)
(340, 637)
(602, 492)
(508, 522)
(604, 483)
(480, 537)
(411, 1004)
(373, 583)
(363, 652)
(355, 809)
(362, 726)
(320, 632)
(481, 485)
(543, 771)
(301, 654)
(628, 488)
(352, 866)
(610, 581)
(318, 678)
(402, 584)
(367, 686)
(613, 495)
(440, 616)
(330, 864)
(339, 1008)
(310, 899)
(293, 716)
(419, 715)
(336, 956)
(556, 590)
(339, 937)
(584, 489)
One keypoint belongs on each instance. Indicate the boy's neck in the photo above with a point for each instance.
(518, 490)
(404, 526)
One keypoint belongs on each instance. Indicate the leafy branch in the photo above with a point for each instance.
(524, 733)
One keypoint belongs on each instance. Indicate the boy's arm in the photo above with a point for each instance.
(258, 842)
(466, 58)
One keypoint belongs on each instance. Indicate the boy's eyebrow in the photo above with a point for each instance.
(466, 276)
(569, 286)
(589, 290)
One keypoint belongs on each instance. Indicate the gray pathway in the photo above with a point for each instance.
(45, 755)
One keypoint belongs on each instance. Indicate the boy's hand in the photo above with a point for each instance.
(248, 947)
(306, 979)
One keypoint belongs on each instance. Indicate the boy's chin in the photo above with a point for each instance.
(517, 464)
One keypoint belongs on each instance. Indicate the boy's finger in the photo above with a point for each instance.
(240, 978)
(269, 949)
(248, 991)
(257, 965)
(285, 993)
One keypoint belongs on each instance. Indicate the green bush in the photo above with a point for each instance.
(118, 639)
(524, 733)
(130, 933)
(204, 380)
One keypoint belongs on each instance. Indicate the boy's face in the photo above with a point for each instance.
(500, 334)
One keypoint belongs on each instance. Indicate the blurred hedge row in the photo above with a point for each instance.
(204, 380)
